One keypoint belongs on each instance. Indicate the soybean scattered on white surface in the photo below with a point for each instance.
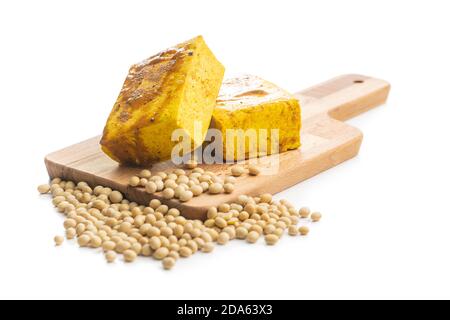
(101, 218)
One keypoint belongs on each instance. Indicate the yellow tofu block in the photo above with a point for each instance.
(165, 92)
(249, 102)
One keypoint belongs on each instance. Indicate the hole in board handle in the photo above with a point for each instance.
(358, 81)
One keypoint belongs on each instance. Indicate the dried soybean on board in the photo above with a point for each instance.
(326, 142)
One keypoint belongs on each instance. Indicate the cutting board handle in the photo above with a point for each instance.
(343, 97)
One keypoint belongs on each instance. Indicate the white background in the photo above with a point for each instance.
(386, 226)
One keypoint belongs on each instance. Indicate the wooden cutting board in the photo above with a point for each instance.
(326, 142)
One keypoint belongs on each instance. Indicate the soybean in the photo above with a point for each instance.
(316, 216)
(228, 187)
(168, 263)
(303, 230)
(43, 188)
(151, 187)
(59, 240)
(292, 230)
(161, 253)
(208, 247)
(110, 256)
(115, 197)
(215, 188)
(134, 181)
(304, 212)
(252, 237)
(271, 239)
(185, 196)
(237, 171)
(145, 174)
(129, 255)
(185, 252)
(168, 193)
(253, 170)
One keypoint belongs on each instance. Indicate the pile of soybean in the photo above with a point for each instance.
(101, 218)
(183, 186)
